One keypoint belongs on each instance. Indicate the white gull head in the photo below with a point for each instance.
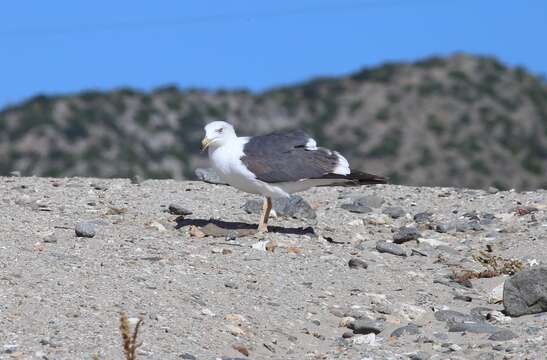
(217, 133)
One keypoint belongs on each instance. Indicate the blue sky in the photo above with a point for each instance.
(58, 47)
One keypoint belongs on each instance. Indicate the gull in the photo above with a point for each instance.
(277, 164)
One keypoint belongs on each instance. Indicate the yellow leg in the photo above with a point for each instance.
(266, 208)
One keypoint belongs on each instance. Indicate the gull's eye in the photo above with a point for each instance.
(220, 130)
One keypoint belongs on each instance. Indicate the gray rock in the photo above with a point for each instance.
(363, 204)
(476, 327)
(461, 297)
(356, 208)
(187, 356)
(480, 312)
(347, 334)
(294, 206)
(503, 335)
(405, 234)
(177, 209)
(473, 224)
(50, 239)
(209, 175)
(420, 355)
(85, 229)
(454, 316)
(231, 235)
(423, 217)
(394, 212)
(367, 327)
(391, 248)
(372, 201)
(355, 263)
(410, 329)
(445, 227)
(526, 292)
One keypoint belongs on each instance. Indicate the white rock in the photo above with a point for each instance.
(496, 295)
(368, 339)
(156, 225)
(207, 312)
(377, 219)
(498, 318)
(346, 321)
(532, 262)
(261, 245)
(10, 348)
(410, 312)
(432, 242)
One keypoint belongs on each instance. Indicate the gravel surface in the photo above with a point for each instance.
(300, 291)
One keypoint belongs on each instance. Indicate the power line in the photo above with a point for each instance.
(337, 8)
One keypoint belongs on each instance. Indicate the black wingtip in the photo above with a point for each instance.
(365, 178)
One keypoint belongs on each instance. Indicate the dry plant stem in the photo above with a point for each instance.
(129, 340)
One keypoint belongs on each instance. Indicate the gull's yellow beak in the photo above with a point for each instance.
(205, 143)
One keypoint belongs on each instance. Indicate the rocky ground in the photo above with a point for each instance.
(381, 272)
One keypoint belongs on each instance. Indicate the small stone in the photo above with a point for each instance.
(434, 243)
(208, 175)
(231, 235)
(391, 248)
(377, 219)
(355, 263)
(196, 232)
(472, 327)
(356, 208)
(367, 327)
(176, 209)
(15, 173)
(207, 312)
(465, 298)
(420, 355)
(347, 334)
(445, 227)
(454, 316)
(455, 347)
(368, 339)
(346, 321)
(85, 229)
(405, 234)
(394, 212)
(50, 239)
(295, 206)
(231, 285)
(493, 190)
(187, 356)
(503, 335)
(10, 348)
(241, 348)
(156, 225)
(136, 179)
(497, 317)
(496, 295)
(372, 201)
(410, 329)
(423, 217)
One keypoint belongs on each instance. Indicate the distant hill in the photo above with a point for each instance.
(457, 121)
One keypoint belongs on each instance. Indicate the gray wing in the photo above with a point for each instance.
(287, 156)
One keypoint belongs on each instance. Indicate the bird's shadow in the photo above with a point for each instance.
(219, 228)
